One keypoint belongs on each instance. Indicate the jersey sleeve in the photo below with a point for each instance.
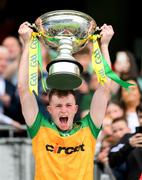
(32, 130)
(88, 121)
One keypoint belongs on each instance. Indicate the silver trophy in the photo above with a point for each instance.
(68, 32)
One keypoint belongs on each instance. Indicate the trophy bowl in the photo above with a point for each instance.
(68, 32)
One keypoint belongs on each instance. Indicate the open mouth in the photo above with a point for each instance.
(63, 120)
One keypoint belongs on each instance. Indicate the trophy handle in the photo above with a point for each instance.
(97, 29)
(33, 26)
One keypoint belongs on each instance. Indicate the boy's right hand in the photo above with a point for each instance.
(25, 32)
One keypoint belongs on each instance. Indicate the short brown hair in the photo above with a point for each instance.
(119, 119)
(61, 93)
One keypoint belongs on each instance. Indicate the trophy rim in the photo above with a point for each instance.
(67, 11)
(54, 38)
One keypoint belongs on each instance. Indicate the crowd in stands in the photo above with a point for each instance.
(119, 146)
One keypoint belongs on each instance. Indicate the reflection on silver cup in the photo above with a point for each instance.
(67, 31)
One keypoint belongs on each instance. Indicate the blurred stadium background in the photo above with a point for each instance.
(123, 15)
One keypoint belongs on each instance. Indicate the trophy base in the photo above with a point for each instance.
(64, 74)
(63, 81)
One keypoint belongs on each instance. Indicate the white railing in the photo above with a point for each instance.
(11, 130)
(16, 158)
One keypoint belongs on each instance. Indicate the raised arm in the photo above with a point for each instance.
(102, 94)
(28, 100)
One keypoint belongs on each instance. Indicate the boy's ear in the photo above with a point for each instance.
(49, 109)
(76, 108)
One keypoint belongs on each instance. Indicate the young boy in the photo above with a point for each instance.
(62, 149)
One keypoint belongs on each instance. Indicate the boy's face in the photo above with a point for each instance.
(63, 110)
(119, 129)
(114, 111)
